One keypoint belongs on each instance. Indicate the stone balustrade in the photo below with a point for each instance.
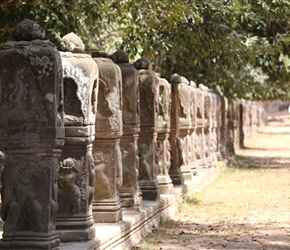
(91, 139)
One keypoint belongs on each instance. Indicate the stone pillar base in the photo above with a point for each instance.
(77, 235)
(107, 210)
(28, 241)
(176, 177)
(75, 228)
(150, 189)
(193, 167)
(130, 198)
(165, 184)
(186, 173)
(201, 163)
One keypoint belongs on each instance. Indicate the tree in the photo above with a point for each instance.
(238, 47)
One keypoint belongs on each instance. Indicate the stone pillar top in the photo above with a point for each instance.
(72, 43)
(83, 71)
(28, 30)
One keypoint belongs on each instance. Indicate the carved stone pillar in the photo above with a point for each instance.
(130, 192)
(218, 120)
(207, 126)
(163, 129)
(213, 127)
(231, 125)
(200, 124)
(181, 99)
(236, 122)
(74, 220)
(2, 163)
(192, 129)
(32, 134)
(147, 145)
(106, 150)
(224, 127)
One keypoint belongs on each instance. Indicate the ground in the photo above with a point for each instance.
(246, 207)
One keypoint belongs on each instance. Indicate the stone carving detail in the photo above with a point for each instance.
(103, 189)
(69, 192)
(24, 204)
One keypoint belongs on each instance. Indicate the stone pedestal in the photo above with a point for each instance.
(32, 134)
(163, 129)
(130, 192)
(76, 175)
(147, 144)
(106, 146)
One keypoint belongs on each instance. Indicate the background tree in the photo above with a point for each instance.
(238, 47)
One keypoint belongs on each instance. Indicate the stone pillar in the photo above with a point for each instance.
(176, 159)
(32, 133)
(163, 129)
(2, 163)
(236, 122)
(231, 124)
(207, 126)
(213, 126)
(76, 178)
(106, 146)
(179, 141)
(192, 128)
(147, 145)
(218, 111)
(130, 192)
(224, 127)
(200, 124)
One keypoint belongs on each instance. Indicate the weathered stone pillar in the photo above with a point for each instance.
(163, 129)
(231, 124)
(106, 146)
(218, 114)
(192, 128)
(207, 125)
(200, 124)
(179, 140)
(224, 127)
(236, 124)
(2, 163)
(147, 145)
(32, 134)
(130, 192)
(213, 126)
(76, 178)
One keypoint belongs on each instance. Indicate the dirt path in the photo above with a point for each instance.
(246, 207)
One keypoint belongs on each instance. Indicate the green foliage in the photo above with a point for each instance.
(238, 47)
